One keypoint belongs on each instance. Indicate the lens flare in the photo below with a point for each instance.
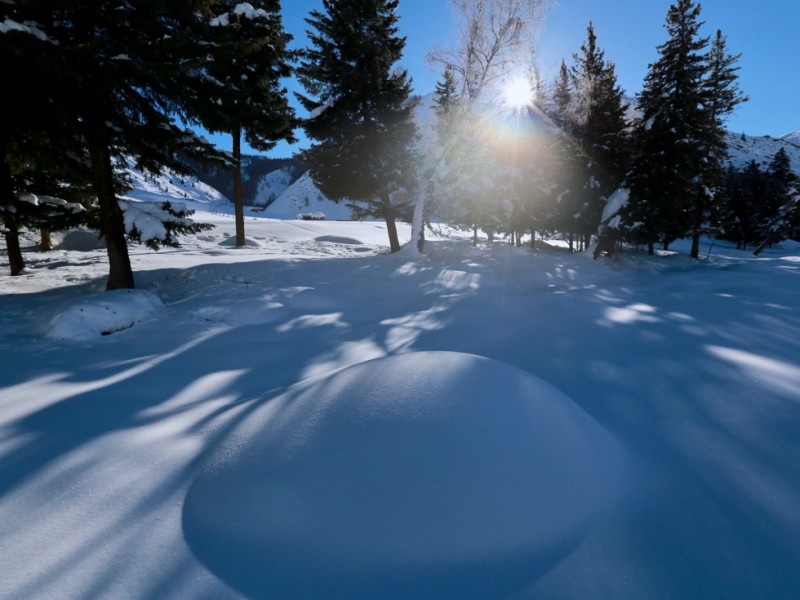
(517, 93)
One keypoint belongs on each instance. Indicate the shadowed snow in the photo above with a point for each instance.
(347, 486)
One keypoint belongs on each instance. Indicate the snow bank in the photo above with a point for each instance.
(424, 475)
(103, 314)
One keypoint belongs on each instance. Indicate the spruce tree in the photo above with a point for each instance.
(245, 96)
(114, 76)
(360, 114)
(445, 102)
(23, 130)
(562, 98)
(671, 135)
(444, 149)
(776, 212)
(591, 109)
(739, 201)
(722, 97)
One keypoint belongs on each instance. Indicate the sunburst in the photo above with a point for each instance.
(517, 93)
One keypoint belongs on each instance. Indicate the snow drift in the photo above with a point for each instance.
(423, 475)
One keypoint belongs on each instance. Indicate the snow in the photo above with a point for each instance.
(616, 202)
(30, 28)
(243, 9)
(103, 314)
(762, 149)
(271, 186)
(304, 197)
(487, 422)
(319, 110)
(461, 463)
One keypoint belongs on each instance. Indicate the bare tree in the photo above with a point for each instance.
(494, 37)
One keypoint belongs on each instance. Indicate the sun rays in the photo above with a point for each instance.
(517, 93)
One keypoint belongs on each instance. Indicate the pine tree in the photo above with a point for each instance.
(361, 117)
(111, 93)
(445, 102)
(437, 179)
(247, 60)
(591, 107)
(671, 136)
(778, 204)
(742, 196)
(562, 98)
(722, 97)
(23, 133)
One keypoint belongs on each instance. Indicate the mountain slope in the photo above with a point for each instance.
(303, 197)
(743, 148)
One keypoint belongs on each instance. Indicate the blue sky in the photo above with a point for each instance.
(628, 31)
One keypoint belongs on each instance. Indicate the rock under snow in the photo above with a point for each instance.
(423, 475)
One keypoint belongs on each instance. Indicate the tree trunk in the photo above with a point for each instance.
(474, 235)
(15, 260)
(112, 222)
(695, 252)
(651, 250)
(418, 224)
(238, 202)
(763, 245)
(11, 233)
(47, 243)
(391, 227)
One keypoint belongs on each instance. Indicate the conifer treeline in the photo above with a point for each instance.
(669, 159)
(116, 80)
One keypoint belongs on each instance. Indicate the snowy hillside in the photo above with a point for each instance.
(287, 200)
(271, 186)
(304, 198)
(793, 137)
(744, 148)
(169, 185)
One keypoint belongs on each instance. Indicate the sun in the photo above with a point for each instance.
(517, 93)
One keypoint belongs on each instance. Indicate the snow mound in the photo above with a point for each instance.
(103, 314)
(81, 240)
(423, 475)
(230, 242)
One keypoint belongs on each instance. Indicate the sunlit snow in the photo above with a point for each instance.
(310, 417)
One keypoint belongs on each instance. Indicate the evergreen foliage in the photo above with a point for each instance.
(358, 99)
(743, 190)
(109, 92)
(680, 138)
(174, 218)
(779, 208)
(671, 135)
(562, 98)
(760, 205)
(588, 104)
(244, 95)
